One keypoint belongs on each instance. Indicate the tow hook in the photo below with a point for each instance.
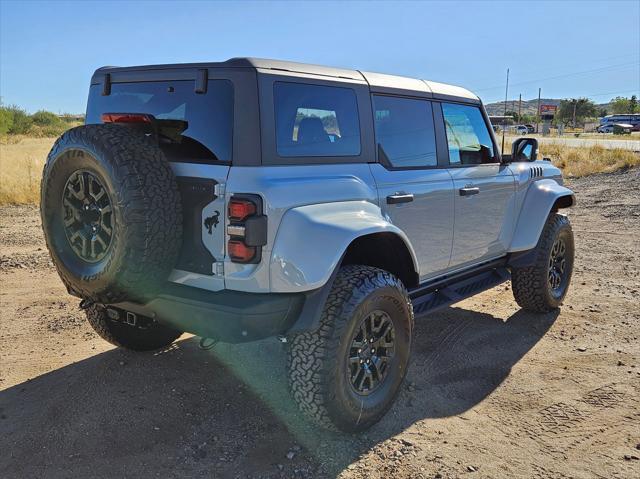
(207, 343)
(86, 304)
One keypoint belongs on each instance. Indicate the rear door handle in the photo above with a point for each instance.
(399, 198)
(469, 190)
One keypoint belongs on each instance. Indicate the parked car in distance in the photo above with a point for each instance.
(531, 128)
(522, 129)
(618, 128)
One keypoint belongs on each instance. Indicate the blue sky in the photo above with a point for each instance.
(48, 50)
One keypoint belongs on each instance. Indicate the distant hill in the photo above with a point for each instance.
(530, 107)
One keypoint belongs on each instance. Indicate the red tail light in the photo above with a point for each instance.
(240, 252)
(247, 228)
(126, 118)
(240, 209)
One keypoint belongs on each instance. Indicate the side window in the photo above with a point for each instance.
(404, 132)
(467, 135)
(316, 120)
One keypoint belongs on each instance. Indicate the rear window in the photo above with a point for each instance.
(203, 132)
(315, 120)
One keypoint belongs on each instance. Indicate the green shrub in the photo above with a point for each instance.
(618, 130)
(20, 121)
(45, 118)
(6, 120)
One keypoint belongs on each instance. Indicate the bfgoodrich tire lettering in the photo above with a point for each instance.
(319, 360)
(146, 218)
(532, 287)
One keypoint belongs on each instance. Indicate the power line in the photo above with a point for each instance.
(585, 72)
(636, 90)
(591, 62)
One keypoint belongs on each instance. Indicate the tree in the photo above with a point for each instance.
(512, 114)
(575, 110)
(527, 118)
(620, 105)
(633, 105)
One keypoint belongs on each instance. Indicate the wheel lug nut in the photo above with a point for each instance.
(371, 340)
(359, 351)
(373, 351)
(361, 361)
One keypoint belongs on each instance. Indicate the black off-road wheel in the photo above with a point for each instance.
(346, 374)
(146, 335)
(111, 213)
(542, 286)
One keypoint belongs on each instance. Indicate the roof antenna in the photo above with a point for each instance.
(504, 121)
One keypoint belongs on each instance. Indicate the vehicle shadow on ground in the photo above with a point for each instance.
(227, 412)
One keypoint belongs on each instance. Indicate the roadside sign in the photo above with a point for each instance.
(548, 109)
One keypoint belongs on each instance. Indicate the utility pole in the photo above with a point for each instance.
(520, 108)
(506, 94)
(538, 115)
(575, 104)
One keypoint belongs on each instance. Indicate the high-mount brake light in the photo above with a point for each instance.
(240, 252)
(240, 209)
(126, 118)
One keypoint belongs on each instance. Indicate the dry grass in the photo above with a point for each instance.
(576, 162)
(22, 159)
(21, 163)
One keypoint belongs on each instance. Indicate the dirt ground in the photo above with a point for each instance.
(492, 391)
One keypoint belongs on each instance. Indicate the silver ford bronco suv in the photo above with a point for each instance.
(256, 198)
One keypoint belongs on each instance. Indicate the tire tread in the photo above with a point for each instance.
(311, 354)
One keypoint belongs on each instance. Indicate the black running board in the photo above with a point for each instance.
(426, 299)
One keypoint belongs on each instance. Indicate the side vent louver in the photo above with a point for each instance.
(536, 171)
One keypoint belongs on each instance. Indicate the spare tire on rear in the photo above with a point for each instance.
(111, 213)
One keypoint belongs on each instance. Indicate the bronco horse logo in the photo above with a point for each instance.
(212, 221)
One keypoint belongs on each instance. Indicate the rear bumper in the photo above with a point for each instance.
(228, 316)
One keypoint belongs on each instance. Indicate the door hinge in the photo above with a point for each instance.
(218, 268)
(218, 190)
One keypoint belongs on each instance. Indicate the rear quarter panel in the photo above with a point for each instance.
(284, 188)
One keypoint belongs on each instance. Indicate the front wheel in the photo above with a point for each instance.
(542, 286)
(346, 374)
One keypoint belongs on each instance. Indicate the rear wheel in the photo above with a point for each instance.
(542, 286)
(346, 374)
(141, 335)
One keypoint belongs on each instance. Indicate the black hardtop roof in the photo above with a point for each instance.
(374, 79)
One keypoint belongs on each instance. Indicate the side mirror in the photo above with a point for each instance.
(524, 149)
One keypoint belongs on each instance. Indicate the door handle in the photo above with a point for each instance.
(399, 198)
(469, 190)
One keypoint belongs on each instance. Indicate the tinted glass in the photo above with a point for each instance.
(467, 135)
(202, 126)
(404, 132)
(314, 120)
